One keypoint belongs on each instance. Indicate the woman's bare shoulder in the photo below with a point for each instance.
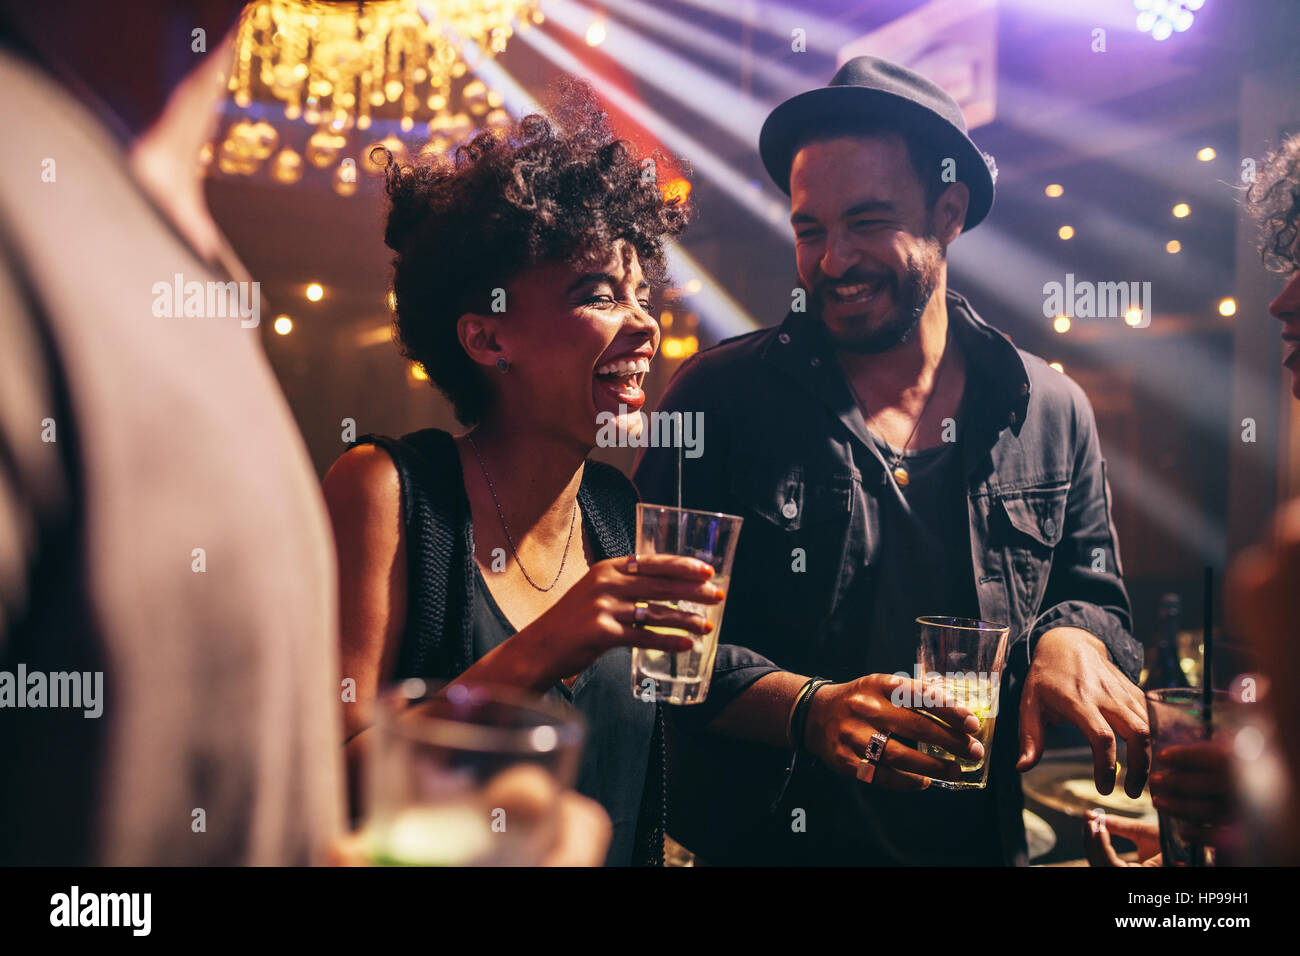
(364, 482)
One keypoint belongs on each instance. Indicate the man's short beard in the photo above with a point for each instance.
(914, 290)
(889, 336)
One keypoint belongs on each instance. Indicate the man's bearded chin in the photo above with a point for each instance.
(912, 292)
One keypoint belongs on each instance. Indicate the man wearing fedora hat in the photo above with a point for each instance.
(893, 456)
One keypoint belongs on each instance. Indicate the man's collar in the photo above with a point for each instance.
(993, 364)
(995, 372)
(803, 351)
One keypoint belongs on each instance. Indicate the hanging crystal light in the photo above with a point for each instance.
(340, 66)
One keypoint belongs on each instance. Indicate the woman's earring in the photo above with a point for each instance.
(502, 365)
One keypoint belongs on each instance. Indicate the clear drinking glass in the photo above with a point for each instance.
(1177, 719)
(963, 658)
(469, 775)
(711, 537)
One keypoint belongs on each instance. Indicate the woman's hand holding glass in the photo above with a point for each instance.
(614, 605)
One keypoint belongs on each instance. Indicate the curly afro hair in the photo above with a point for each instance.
(542, 190)
(1275, 201)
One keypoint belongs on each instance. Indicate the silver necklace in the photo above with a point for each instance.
(573, 520)
(901, 475)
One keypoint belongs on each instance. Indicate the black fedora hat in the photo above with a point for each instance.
(877, 91)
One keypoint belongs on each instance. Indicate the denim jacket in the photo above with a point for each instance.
(780, 428)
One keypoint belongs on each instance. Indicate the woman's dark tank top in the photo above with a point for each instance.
(453, 620)
(616, 752)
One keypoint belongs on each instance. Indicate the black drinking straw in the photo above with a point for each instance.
(680, 441)
(1207, 654)
(1207, 682)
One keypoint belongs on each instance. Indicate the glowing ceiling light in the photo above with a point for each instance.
(1163, 18)
(286, 167)
(596, 33)
(375, 335)
(1205, 154)
(1061, 323)
(345, 179)
(283, 325)
(1056, 365)
(675, 347)
(676, 189)
(1173, 247)
(1181, 210)
(1133, 317)
(1055, 190)
(314, 292)
(1066, 232)
(1228, 306)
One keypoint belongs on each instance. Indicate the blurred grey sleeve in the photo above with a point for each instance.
(33, 478)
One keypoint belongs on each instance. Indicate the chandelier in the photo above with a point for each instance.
(346, 68)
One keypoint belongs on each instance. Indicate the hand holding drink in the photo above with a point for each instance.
(467, 775)
(651, 601)
(1192, 790)
(1190, 785)
(962, 659)
(1193, 781)
(682, 675)
(845, 719)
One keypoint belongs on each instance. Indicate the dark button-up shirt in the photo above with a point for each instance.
(786, 447)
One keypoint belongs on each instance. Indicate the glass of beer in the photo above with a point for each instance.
(466, 775)
(1178, 719)
(683, 678)
(962, 659)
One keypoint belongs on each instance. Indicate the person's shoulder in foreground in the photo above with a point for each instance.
(194, 583)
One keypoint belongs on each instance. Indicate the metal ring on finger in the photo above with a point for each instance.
(639, 614)
(871, 759)
(876, 747)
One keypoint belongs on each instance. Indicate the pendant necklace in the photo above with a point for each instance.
(573, 520)
(896, 468)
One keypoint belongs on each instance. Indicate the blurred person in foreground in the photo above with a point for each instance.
(160, 528)
(1264, 589)
(159, 522)
(525, 265)
(1220, 784)
(204, 727)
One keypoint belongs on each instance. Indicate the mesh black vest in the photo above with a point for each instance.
(437, 641)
